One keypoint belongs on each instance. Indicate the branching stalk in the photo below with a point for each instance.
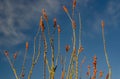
(58, 49)
(14, 70)
(35, 60)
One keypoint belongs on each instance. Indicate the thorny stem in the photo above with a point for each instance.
(51, 44)
(35, 60)
(14, 70)
(39, 46)
(51, 41)
(74, 39)
(74, 35)
(64, 64)
(74, 43)
(83, 60)
(72, 12)
(80, 31)
(31, 70)
(76, 67)
(23, 66)
(74, 46)
(44, 65)
(80, 34)
(48, 66)
(80, 71)
(58, 49)
(80, 39)
(107, 60)
(45, 51)
(52, 71)
(65, 68)
(63, 74)
(71, 60)
(71, 71)
(69, 17)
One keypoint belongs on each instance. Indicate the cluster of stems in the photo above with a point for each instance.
(73, 66)
(53, 66)
(74, 55)
(34, 59)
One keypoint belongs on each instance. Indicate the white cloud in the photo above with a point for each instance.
(17, 16)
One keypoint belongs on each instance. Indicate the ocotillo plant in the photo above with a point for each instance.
(45, 44)
(24, 61)
(35, 59)
(74, 49)
(51, 41)
(80, 44)
(106, 55)
(73, 67)
(74, 55)
(11, 64)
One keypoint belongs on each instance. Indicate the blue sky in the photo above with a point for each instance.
(19, 21)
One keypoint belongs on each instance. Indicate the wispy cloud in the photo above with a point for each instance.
(16, 17)
(110, 14)
(113, 13)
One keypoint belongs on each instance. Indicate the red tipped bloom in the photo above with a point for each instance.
(45, 14)
(15, 55)
(101, 74)
(27, 45)
(67, 48)
(74, 3)
(23, 75)
(102, 24)
(73, 24)
(65, 9)
(55, 22)
(80, 49)
(6, 53)
(88, 73)
(42, 24)
(59, 30)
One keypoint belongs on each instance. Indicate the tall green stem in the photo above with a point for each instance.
(14, 70)
(107, 60)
